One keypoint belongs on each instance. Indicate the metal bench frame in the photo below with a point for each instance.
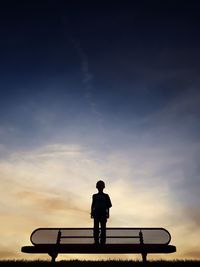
(54, 249)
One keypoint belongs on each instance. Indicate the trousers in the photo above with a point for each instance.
(99, 221)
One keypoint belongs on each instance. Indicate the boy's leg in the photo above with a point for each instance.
(103, 230)
(96, 231)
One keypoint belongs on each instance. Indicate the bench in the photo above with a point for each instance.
(54, 241)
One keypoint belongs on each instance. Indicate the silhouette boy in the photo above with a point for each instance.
(100, 212)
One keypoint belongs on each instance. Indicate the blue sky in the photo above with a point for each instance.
(92, 91)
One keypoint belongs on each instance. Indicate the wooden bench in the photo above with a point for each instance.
(54, 241)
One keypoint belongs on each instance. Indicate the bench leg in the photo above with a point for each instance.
(144, 257)
(53, 259)
(53, 256)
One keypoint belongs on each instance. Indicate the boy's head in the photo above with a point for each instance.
(100, 185)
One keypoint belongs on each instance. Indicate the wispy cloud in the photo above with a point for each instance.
(87, 76)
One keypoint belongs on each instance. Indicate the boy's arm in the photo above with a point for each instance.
(92, 208)
(107, 213)
(109, 205)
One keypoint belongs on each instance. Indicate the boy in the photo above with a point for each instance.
(100, 212)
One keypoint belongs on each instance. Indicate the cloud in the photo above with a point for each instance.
(46, 201)
(194, 214)
(178, 117)
(7, 254)
(87, 78)
(174, 130)
(193, 254)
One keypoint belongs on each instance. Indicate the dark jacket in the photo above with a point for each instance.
(100, 205)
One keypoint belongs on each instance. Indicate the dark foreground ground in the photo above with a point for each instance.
(77, 263)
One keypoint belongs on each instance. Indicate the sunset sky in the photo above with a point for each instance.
(95, 90)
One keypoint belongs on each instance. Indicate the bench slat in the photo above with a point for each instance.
(105, 249)
(106, 237)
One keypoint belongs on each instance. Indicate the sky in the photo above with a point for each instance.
(95, 90)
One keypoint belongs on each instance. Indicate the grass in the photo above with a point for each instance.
(110, 263)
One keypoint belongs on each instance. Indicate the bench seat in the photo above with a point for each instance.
(100, 249)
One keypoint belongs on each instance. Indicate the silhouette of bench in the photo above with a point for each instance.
(54, 241)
